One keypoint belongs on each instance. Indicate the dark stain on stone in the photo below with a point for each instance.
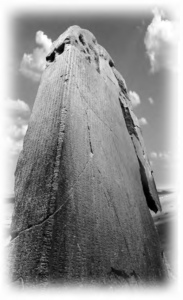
(50, 57)
(81, 38)
(111, 63)
(123, 274)
(60, 49)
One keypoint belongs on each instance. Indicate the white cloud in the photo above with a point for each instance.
(32, 65)
(43, 40)
(164, 155)
(15, 121)
(151, 101)
(160, 155)
(153, 155)
(135, 99)
(161, 41)
(142, 121)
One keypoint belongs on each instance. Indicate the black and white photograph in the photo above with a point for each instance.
(90, 147)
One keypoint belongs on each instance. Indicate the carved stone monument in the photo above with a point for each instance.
(83, 182)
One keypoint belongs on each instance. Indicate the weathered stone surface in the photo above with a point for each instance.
(83, 181)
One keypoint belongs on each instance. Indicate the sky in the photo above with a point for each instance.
(143, 46)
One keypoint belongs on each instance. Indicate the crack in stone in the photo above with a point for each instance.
(15, 234)
(110, 201)
(118, 222)
(119, 171)
(91, 149)
(88, 127)
(121, 81)
(131, 130)
(149, 198)
(128, 120)
(95, 112)
(130, 124)
(111, 80)
(151, 203)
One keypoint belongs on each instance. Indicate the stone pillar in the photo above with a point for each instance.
(83, 183)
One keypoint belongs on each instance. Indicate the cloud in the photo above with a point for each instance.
(32, 65)
(164, 155)
(151, 101)
(142, 121)
(161, 41)
(43, 40)
(160, 155)
(153, 155)
(135, 99)
(15, 121)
